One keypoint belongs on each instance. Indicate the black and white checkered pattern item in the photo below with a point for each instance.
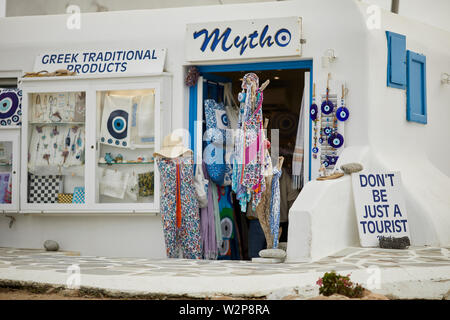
(44, 189)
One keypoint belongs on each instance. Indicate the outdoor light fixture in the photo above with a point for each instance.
(445, 78)
(328, 57)
(276, 78)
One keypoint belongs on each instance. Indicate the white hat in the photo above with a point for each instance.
(172, 147)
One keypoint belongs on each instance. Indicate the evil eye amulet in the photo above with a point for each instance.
(313, 112)
(342, 114)
(315, 150)
(327, 131)
(320, 140)
(336, 140)
(242, 96)
(326, 164)
(327, 107)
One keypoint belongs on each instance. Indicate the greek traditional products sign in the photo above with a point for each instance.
(380, 206)
(107, 61)
(244, 39)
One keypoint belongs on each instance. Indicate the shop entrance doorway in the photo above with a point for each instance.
(290, 82)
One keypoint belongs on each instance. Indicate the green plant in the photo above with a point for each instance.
(333, 283)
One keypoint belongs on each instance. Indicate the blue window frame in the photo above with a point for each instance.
(396, 65)
(416, 93)
(279, 65)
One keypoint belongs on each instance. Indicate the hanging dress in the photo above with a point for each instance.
(179, 207)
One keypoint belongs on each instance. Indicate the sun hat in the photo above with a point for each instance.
(172, 147)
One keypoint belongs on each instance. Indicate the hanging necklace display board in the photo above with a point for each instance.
(380, 206)
(328, 127)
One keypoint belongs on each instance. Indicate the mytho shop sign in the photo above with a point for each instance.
(243, 39)
(380, 206)
(106, 61)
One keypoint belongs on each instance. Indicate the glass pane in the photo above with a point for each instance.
(5, 171)
(56, 149)
(125, 139)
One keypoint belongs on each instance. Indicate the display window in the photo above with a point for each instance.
(56, 147)
(126, 142)
(88, 143)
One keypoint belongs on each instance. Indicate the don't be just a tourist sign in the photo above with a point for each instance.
(242, 39)
(380, 206)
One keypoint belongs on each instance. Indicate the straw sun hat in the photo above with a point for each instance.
(172, 147)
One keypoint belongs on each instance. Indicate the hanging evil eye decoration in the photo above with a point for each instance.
(320, 140)
(336, 140)
(327, 131)
(327, 107)
(342, 113)
(326, 164)
(117, 124)
(10, 106)
(315, 150)
(332, 160)
(313, 112)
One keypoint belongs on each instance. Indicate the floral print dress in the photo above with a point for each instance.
(179, 207)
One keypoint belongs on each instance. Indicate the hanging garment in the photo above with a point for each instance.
(248, 181)
(207, 224)
(262, 211)
(288, 194)
(4, 182)
(179, 207)
(297, 158)
(275, 207)
(229, 249)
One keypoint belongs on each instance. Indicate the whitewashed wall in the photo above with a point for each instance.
(361, 63)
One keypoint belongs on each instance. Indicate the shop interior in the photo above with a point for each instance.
(281, 110)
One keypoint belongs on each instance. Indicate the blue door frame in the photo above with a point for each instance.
(278, 65)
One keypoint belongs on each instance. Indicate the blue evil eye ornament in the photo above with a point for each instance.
(313, 112)
(332, 160)
(320, 140)
(315, 150)
(10, 107)
(342, 113)
(336, 140)
(117, 124)
(327, 131)
(327, 107)
(326, 164)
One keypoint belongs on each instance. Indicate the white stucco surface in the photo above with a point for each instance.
(320, 224)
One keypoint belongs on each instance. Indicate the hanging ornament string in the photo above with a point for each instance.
(327, 106)
(342, 112)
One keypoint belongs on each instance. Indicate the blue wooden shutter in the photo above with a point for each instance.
(416, 92)
(396, 68)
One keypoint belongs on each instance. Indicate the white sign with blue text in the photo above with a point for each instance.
(380, 206)
(243, 39)
(105, 61)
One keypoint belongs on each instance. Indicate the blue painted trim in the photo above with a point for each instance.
(215, 77)
(298, 64)
(276, 65)
(192, 115)
(399, 67)
(416, 102)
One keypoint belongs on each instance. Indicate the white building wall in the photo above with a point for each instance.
(361, 63)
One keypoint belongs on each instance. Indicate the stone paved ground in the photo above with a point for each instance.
(425, 270)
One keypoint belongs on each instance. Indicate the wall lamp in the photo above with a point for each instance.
(328, 57)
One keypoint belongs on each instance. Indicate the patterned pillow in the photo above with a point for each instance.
(215, 153)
